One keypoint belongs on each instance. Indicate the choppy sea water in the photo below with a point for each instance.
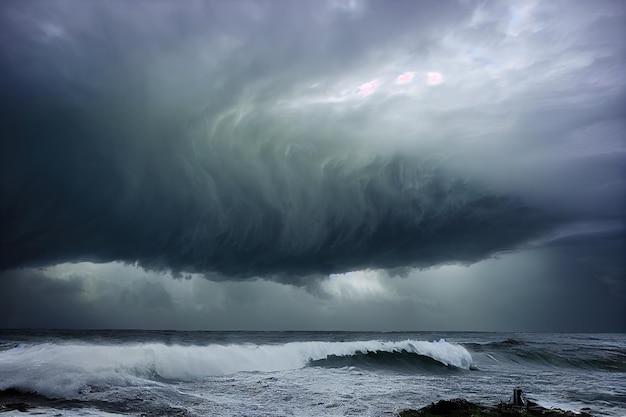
(305, 373)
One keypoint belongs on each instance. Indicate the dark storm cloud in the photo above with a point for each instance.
(23, 289)
(32, 298)
(570, 287)
(194, 139)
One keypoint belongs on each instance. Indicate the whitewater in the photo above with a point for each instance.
(303, 373)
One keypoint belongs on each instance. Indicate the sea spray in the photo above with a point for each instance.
(66, 368)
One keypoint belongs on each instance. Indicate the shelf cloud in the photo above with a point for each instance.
(287, 140)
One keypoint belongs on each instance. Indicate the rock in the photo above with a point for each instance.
(21, 407)
(518, 398)
(462, 408)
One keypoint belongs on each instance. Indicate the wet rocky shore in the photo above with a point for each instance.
(463, 408)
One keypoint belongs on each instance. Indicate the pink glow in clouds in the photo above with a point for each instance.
(434, 78)
(405, 78)
(368, 88)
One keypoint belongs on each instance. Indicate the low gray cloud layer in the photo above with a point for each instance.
(287, 139)
(565, 288)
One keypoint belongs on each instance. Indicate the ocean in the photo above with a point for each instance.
(173, 373)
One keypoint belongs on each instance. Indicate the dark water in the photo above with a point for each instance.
(304, 373)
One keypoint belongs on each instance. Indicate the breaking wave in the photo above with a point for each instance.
(67, 370)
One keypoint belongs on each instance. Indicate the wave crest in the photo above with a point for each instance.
(66, 369)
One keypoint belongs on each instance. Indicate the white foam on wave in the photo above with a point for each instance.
(66, 369)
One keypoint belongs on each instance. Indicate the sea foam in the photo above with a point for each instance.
(67, 369)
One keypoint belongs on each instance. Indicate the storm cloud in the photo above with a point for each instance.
(570, 288)
(290, 139)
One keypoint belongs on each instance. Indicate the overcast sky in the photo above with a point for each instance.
(344, 164)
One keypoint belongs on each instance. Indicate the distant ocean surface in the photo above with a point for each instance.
(304, 373)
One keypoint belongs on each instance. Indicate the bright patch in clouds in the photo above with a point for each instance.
(434, 78)
(364, 284)
(405, 78)
(368, 88)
